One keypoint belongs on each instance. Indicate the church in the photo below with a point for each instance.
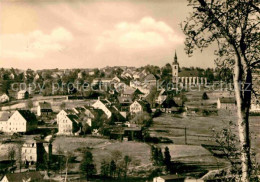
(184, 78)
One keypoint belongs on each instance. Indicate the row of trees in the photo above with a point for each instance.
(115, 166)
(161, 160)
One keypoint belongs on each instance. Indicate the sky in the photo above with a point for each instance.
(40, 34)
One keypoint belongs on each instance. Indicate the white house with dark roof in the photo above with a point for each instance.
(69, 120)
(103, 104)
(4, 116)
(138, 106)
(68, 125)
(22, 94)
(21, 121)
(227, 103)
(44, 108)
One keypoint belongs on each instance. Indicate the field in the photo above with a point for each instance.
(102, 148)
(199, 129)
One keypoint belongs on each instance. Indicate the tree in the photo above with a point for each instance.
(61, 159)
(228, 144)
(167, 159)
(234, 26)
(166, 74)
(127, 161)
(62, 105)
(29, 104)
(142, 119)
(205, 96)
(87, 166)
(112, 168)
(104, 168)
(11, 153)
(152, 96)
(68, 157)
(160, 157)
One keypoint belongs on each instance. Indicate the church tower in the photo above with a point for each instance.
(175, 69)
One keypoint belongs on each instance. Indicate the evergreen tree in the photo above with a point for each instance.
(160, 157)
(104, 168)
(205, 96)
(167, 158)
(112, 168)
(87, 166)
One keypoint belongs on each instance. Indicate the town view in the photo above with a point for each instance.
(130, 91)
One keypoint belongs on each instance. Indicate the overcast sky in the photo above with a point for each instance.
(86, 34)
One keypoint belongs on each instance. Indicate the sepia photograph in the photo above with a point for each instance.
(129, 90)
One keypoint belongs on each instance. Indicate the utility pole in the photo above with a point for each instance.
(185, 133)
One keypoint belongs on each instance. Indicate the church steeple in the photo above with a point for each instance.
(175, 58)
(175, 69)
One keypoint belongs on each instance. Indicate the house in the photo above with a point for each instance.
(44, 108)
(34, 151)
(12, 76)
(150, 80)
(36, 77)
(4, 116)
(60, 116)
(161, 97)
(137, 75)
(103, 104)
(126, 74)
(23, 177)
(104, 81)
(91, 73)
(116, 79)
(169, 178)
(68, 122)
(4, 98)
(139, 106)
(80, 75)
(124, 102)
(132, 93)
(22, 94)
(116, 133)
(226, 103)
(133, 133)
(21, 121)
(255, 105)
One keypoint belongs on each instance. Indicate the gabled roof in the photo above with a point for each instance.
(4, 95)
(227, 100)
(150, 77)
(45, 105)
(163, 92)
(142, 103)
(105, 101)
(122, 100)
(73, 118)
(129, 91)
(5, 115)
(16, 177)
(27, 115)
(133, 129)
(22, 92)
(169, 177)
